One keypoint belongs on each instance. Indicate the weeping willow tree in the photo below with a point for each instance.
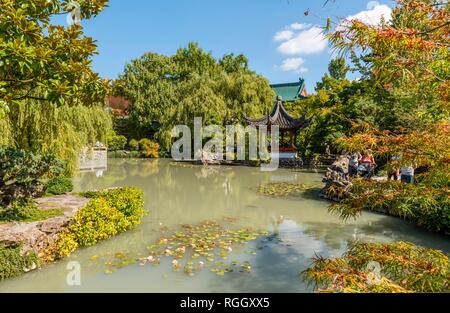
(59, 130)
(166, 91)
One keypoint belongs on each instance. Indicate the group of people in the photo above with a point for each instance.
(361, 164)
(406, 172)
(364, 165)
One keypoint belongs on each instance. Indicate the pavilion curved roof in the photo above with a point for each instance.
(281, 118)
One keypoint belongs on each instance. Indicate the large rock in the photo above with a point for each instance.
(54, 225)
(337, 180)
(37, 236)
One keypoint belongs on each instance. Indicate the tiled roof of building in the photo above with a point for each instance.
(291, 91)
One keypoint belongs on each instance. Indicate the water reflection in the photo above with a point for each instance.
(177, 193)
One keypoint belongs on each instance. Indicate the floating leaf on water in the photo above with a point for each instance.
(284, 189)
(246, 267)
(208, 240)
(120, 255)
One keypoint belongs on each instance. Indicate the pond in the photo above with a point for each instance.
(298, 226)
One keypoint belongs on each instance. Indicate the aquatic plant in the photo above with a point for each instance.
(196, 247)
(403, 267)
(284, 189)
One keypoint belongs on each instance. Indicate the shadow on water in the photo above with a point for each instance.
(276, 267)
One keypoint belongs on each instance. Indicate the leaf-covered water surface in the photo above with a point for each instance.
(284, 189)
(192, 248)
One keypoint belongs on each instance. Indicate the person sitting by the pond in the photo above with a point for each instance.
(353, 162)
(407, 174)
(367, 158)
(367, 163)
(394, 172)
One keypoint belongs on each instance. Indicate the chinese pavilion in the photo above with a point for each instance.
(287, 124)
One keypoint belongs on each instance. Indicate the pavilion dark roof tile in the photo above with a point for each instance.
(281, 118)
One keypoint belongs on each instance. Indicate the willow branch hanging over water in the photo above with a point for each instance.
(59, 130)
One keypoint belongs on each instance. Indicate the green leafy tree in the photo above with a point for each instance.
(232, 63)
(40, 60)
(21, 172)
(170, 90)
(50, 99)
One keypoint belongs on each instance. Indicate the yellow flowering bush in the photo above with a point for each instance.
(108, 213)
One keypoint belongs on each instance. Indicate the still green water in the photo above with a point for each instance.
(299, 227)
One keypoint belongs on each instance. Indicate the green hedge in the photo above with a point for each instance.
(59, 185)
(134, 145)
(116, 142)
(108, 213)
(122, 154)
(21, 173)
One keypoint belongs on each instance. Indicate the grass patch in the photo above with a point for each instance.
(25, 210)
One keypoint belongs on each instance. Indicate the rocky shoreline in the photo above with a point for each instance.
(37, 236)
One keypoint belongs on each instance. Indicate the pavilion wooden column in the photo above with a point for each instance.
(293, 134)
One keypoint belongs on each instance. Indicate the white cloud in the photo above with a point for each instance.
(283, 35)
(293, 64)
(307, 41)
(372, 4)
(299, 26)
(372, 16)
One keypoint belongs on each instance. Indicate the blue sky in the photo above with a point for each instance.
(280, 41)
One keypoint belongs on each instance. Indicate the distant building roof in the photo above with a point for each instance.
(291, 91)
(118, 105)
